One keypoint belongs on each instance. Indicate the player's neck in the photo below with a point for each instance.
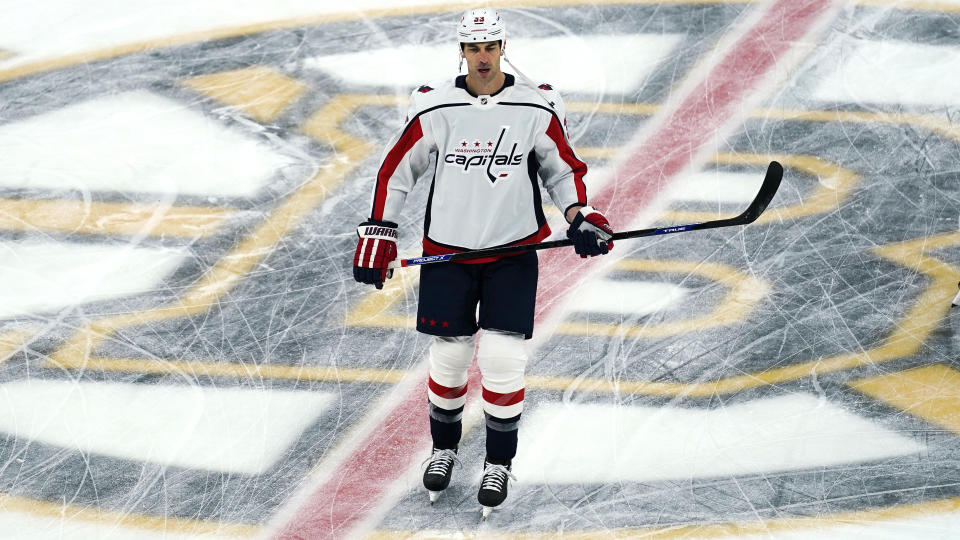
(479, 87)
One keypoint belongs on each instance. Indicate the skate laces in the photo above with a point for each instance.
(495, 476)
(441, 461)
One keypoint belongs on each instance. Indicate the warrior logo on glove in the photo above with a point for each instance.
(591, 233)
(376, 247)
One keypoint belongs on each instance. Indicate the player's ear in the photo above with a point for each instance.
(503, 47)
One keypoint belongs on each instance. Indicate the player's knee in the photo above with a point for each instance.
(451, 355)
(450, 358)
(502, 358)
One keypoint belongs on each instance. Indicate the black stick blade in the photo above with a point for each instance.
(771, 182)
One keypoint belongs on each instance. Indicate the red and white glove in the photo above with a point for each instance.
(376, 247)
(590, 232)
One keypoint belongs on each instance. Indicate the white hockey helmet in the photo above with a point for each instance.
(480, 25)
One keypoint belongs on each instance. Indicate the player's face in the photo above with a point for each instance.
(483, 59)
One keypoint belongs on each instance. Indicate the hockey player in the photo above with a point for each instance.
(486, 139)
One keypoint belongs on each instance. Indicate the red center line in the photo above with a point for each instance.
(351, 494)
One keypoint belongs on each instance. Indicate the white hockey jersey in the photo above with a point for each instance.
(488, 153)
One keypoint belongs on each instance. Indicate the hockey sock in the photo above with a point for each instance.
(445, 427)
(501, 438)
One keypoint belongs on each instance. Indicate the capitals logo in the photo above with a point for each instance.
(485, 154)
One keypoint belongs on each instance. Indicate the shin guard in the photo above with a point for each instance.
(502, 358)
(450, 358)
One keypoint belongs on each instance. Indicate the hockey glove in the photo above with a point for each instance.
(376, 247)
(591, 233)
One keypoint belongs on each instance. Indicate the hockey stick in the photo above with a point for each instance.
(771, 181)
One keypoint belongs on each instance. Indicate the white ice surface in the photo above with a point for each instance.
(935, 527)
(214, 428)
(21, 526)
(601, 63)
(894, 72)
(635, 298)
(644, 444)
(41, 276)
(717, 187)
(133, 142)
(36, 31)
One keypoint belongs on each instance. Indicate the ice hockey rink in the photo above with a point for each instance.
(184, 352)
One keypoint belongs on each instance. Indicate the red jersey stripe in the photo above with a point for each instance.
(413, 134)
(496, 398)
(555, 132)
(446, 392)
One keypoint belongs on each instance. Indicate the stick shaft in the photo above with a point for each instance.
(768, 189)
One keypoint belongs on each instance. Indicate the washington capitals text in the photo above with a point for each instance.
(513, 158)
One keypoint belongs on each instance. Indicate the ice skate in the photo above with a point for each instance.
(956, 299)
(439, 470)
(493, 486)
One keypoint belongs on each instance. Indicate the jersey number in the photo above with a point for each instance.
(477, 20)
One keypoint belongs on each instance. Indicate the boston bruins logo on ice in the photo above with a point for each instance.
(484, 153)
(245, 268)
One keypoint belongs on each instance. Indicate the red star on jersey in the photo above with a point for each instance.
(476, 143)
(446, 324)
(464, 143)
(489, 143)
(433, 322)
